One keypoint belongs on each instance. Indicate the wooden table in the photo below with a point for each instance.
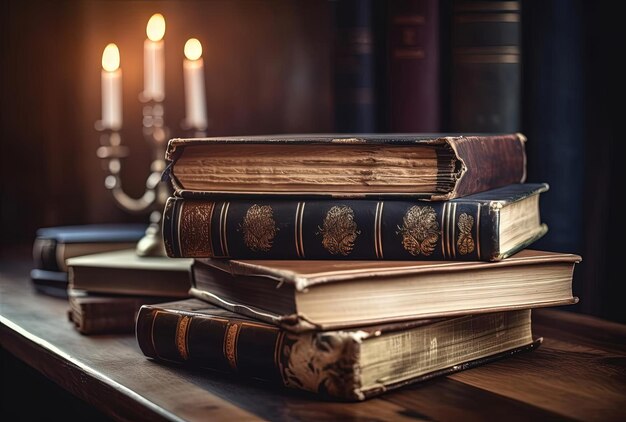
(578, 373)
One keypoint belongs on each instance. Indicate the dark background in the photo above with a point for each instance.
(269, 70)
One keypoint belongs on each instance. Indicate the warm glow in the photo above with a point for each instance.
(111, 58)
(156, 27)
(193, 49)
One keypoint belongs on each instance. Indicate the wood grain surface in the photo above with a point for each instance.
(578, 373)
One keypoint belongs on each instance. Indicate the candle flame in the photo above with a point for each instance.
(111, 58)
(193, 49)
(156, 27)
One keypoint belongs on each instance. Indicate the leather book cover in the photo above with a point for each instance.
(55, 244)
(354, 66)
(480, 162)
(106, 314)
(413, 60)
(486, 66)
(461, 229)
(328, 363)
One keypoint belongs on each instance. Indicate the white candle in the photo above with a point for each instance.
(195, 99)
(154, 59)
(111, 88)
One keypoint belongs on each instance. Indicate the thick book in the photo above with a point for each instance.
(486, 66)
(352, 364)
(319, 295)
(435, 167)
(53, 245)
(413, 60)
(123, 272)
(487, 226)
(93, 313)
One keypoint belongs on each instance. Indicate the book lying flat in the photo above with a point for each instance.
(436, 167)
(123, 272)
(94, 313)
(352, 364)
(51, 283)
(486, 226)
(321, 295)
(53, 245)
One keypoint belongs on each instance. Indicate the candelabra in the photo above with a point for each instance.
(157, 191)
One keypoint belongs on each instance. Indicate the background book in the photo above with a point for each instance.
(486, 226)
(485, 93)
(319, 295)
(94, 313)
(356, 99)
(53, 245)
(413, 60)
(348, 364)
(123, 272)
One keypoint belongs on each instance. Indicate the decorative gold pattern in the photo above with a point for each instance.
(298, 229)
(181, 336)
(339, 230)
(478, 234)
(378, 238)
(195, 229)
(465, 243)
(223, 220)
(259, 228)
(420, 230)
(320, 362)
(230, 345)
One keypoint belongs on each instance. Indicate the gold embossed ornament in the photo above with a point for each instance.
(259, 228)
(420, 230)
(465, 243)
(339, 230)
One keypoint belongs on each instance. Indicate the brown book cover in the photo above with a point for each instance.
(435, 167)
(319, 295)
(123, 272)
(94, 313)
(352, 364)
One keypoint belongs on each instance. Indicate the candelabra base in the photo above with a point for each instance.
(152, 243)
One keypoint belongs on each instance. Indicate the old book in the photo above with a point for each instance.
(94, 313)
(413, 60)
(354, 66)
(351, 364)
(53, 245)
(51, 283)
(304, 295)
(123, 272)
(486, 66)
(436, 167)
(486, 226)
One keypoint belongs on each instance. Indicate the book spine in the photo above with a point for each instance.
(486, 69)
(103, 318)
(318, 362)
(45, 254)
(413, 56)
(331, 229)
(354, 66)
(487, 163)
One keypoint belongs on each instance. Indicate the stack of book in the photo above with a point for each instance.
(349, 265)
(97, 269)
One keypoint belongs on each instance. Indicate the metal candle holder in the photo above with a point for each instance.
(156, 193)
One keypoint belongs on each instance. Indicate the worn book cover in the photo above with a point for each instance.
(94, 313)
(123, 272)
(53, 245)
(351, 364)
(487, 226)
(301, 295)
(436, 167)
